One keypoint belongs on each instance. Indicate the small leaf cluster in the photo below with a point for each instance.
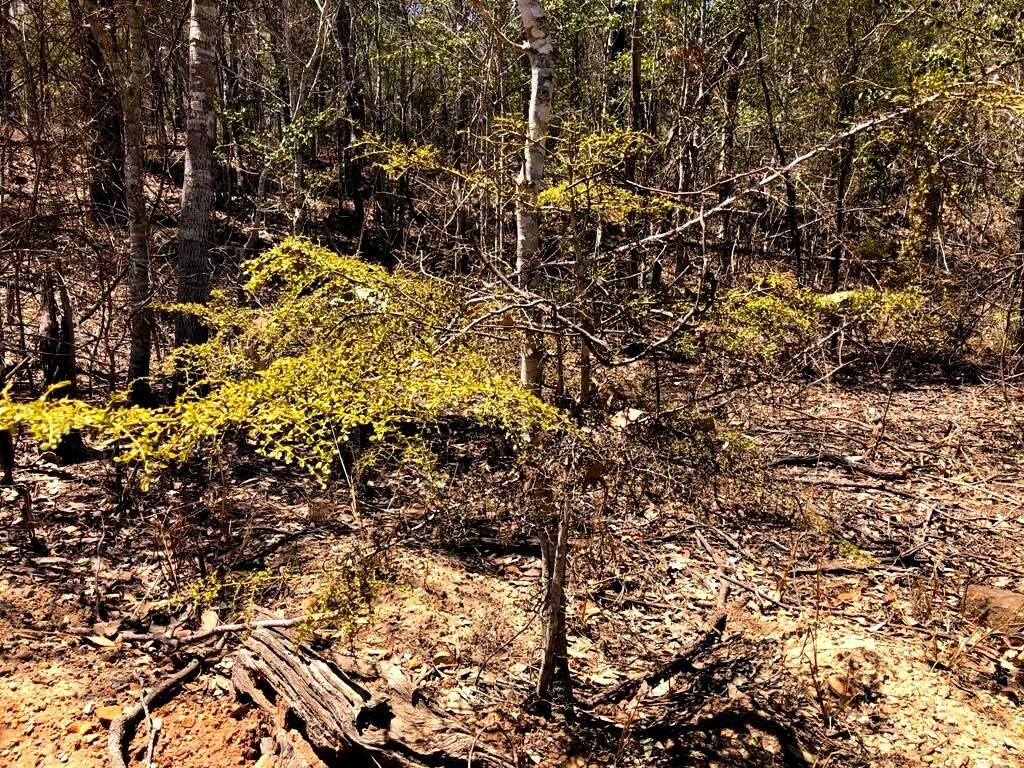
(776, 316)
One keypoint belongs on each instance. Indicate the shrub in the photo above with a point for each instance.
(331, 349)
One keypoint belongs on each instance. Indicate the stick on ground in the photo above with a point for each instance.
(123, 727)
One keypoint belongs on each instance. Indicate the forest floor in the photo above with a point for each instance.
(846, 642)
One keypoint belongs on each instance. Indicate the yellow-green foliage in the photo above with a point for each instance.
(332, 347)
(242, 591)
(777, 315)
(588, 163)
(612, 203)
(347, 593)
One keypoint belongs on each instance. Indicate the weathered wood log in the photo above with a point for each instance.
(339, 716)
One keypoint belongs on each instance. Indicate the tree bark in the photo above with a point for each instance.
(134, 168)
(347, 721)
(554, 685)
(351, 165)
(846, 107)
(727, 162)
(56, 348)
(1020, 268)
(540, 51)
(129, 77)
(6, 437)
(197, 192)
(103, 107)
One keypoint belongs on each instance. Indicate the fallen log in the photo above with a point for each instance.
(339, 716)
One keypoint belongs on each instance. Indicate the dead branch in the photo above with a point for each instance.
(707, 638)
(121, 729)
(814, 459)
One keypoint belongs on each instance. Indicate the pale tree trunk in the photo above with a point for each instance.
(197, 192)
(541, 53)
(135, 193)
(554, 684)
(128, 78)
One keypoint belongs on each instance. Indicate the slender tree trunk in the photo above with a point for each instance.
(636, 105)
(197, 192)
(614, 45)
(134, 168)
(727, 162)
(352, 167)
(846, 107)
(56, 349)
(554, 684)
(6, 438)
(129, 77)
(103, 106)
(6, 456)
(636, 50)
(792, 210)
(542, 85)
(554, 679)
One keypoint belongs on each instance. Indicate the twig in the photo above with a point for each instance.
(736, 582)
(206, 634)
(708, 636)
(813, 459)
(121, 729)
(153, 725)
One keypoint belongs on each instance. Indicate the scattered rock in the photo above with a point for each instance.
(108, 714)
(999, 609)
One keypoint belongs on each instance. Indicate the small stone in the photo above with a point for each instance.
(81, 726)
(108, 714)
(1000, 609)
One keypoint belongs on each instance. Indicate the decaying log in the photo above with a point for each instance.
(340, 716)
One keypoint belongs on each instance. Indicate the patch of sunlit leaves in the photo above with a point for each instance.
(332, 348)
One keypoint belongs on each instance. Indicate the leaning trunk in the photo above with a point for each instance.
(197, 192)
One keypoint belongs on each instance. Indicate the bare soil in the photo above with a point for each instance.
(846, 642)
